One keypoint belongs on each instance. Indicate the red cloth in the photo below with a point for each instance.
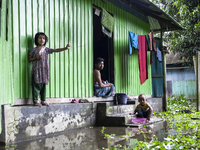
(142, 58)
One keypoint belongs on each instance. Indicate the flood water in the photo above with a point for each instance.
(93, 138)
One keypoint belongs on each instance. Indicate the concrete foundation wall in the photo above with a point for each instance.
(28, 122)
(21, 123)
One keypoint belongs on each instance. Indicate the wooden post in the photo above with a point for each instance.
(164, 74)
(198, 79)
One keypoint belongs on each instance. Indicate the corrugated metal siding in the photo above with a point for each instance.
(126, 66)
(70, 71)
(180, 75)
(70, 21)
(156, 66)
(157, 69)
(183, 82)
(6, 75)
(188, 88)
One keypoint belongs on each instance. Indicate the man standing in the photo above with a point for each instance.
(101, 89)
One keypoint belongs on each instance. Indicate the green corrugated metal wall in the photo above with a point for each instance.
(71, 71)
(6, 72)
(126, 66)
(65, 21)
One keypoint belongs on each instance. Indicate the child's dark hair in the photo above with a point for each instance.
(37, 35)
(98, 59)
(141, 96)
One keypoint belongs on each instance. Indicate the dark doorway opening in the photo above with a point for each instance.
(103, 47)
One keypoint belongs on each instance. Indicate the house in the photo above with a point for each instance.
(180, 78)
(77, 22)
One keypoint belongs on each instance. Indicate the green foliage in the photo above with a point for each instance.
(187, 130)
(103, 128)
(180, 102)
(187, 134)
(13, 145)
(186, 13)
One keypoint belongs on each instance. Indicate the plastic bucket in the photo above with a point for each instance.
(122, 98)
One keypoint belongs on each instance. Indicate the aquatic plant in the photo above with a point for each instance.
(103, 128)
(182, 118)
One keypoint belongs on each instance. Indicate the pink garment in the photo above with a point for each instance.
(142, 58)
(40, 67)
(139, 120)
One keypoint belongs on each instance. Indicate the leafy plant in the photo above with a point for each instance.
(187, 135)
(187, 41)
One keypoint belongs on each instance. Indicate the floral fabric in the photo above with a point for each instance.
(104, 92)
(40, 68)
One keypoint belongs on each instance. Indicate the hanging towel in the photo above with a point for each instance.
(142, 58)
(107, 20)
(133, 41)
(148, 42)
(152, 46)
(106, 32)
(159, 55)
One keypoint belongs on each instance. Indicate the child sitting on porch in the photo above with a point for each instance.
(40, 67)
(143, 109)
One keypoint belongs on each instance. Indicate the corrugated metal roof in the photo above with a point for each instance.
(157, 17)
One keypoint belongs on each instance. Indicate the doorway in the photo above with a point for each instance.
(103, 47)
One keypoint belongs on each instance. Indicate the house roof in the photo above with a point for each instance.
(172, 58)
(157, 18)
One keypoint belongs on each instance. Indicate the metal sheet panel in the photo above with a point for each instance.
(6, 69)
(187, 88)
(156, 66)
(69, 21)
(157, 69)
(70, 71)
(126, 66)
(180, 74)
(6, 75)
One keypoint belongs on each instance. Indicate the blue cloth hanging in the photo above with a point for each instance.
(133, 41)
(159, 55)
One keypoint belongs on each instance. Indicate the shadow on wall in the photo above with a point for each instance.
(30, 45)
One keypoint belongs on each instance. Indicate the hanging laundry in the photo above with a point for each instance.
(105, 31)
(142, 58)
(152, 46)
(159, 55)
(133, 41)
(148, 42)
(107, 20)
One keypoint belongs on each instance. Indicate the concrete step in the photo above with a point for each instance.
(120, 109)
(113, 115)
(117, 115)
